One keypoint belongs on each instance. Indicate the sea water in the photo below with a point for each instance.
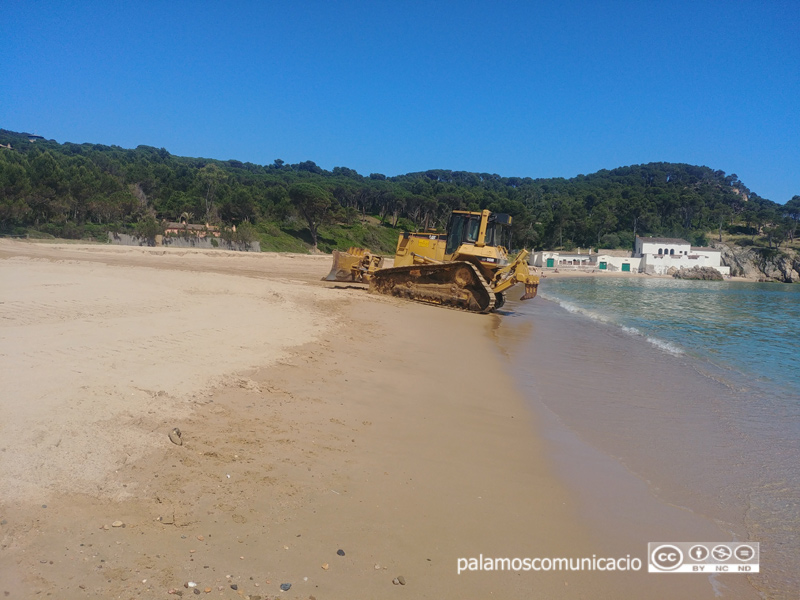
(692, 386)
(748, 329)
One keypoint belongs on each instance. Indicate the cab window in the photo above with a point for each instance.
(455, 233)
(498, 235)
(462, 229)
(473, 229)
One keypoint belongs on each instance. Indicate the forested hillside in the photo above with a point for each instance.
(83, 190)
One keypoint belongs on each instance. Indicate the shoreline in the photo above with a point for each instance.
(393, 433)
(622, 440)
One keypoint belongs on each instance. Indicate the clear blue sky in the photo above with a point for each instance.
(538, 89)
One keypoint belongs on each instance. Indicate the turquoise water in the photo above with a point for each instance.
(692, 386)
(751, 330)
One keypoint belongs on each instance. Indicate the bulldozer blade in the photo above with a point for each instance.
(344, 267)
(530, 291)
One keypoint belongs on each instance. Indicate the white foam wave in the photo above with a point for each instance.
(657, 342)
(664, 345)
(575, 309)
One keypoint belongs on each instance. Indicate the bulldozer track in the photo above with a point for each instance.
(456, 285)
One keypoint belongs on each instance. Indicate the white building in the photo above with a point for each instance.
(554, 259)
(656, 256)
(661, 246)
(584, 260)
(617, 260)
(661, 256)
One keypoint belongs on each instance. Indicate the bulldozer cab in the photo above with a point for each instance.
(498, 231)
(480, 229)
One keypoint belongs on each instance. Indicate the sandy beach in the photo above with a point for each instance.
(330, 439)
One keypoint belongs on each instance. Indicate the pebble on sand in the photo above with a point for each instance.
(340, 552)
(286, 586)
(117, 524)
(175, 436)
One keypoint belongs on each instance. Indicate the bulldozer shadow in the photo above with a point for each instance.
(354, 286)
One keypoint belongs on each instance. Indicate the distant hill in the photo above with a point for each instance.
(79, 190)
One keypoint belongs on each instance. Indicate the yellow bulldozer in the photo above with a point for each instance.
(466, 267)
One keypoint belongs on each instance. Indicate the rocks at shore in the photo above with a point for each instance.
(702, 273)
(760, 264)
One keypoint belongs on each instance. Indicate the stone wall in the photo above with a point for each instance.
(124, 239)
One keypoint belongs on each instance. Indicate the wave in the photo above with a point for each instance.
(669, 347)
(575, 309)
(664, 345)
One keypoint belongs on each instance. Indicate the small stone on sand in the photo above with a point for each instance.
(175, 436)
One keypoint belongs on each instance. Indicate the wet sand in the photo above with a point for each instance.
(634, 434)
(314, 418)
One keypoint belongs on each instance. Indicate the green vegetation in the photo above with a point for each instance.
(81, 191)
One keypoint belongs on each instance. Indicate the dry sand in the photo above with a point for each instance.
(314, 418)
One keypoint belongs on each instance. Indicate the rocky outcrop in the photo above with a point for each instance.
(704, 273)
(761, 264)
